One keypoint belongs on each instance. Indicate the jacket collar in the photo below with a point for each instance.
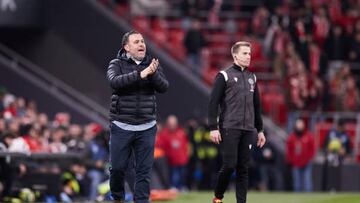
(123, 56)
(240, 68)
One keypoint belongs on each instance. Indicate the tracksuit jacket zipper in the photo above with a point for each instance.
(244, 88)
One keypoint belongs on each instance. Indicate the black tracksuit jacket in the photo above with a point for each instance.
(236, 92)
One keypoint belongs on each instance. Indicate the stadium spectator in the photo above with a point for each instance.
(194, 42)
(352, 96)
(315, 101)
(161, 166)
(10, 106)
(57, 145)
(43, 121)
(293, 62)
(148, 7)
(34, 139)
(97, 157)
(300, 151)
(191, 8)
(32, 132)
(19, 145)
(336, 45)
(78, 170)
(318, 62)
(176, 147)
(354, 54)
(343, 90)
(9, 168)
(192, 179)
(75, 142)
(213, 14)
(62, 119)
(266, 162)
(2, 125)
(259, 22)
(298, 87)
(337, 148)
(206, 153)
(20, 107)
(321, 26)
(338, 141)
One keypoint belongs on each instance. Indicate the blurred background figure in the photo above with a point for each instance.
(176, 146)
(75, 140)
(300, 151)
(194, 42)
(266, 164)
(161, 167)
(337, 148)
(97, 157)
(206, 155)
(9, 169)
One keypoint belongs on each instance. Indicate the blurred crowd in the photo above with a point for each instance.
(312, 46)
(185, 157)
(309, 47)
(27, 131)
(183, 162)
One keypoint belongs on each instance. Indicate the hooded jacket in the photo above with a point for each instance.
(133, 99)
(300, 150)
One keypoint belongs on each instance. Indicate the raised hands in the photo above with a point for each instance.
(150, 69)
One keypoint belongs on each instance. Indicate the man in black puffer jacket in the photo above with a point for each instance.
(135, 78)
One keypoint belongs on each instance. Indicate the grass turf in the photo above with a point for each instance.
(264, 197)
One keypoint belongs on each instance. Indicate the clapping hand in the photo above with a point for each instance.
(151, 69)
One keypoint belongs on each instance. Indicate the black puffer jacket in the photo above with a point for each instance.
(133, 99)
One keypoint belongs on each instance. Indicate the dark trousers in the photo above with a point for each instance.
(123, 144)
(178, 174)
(235, 151)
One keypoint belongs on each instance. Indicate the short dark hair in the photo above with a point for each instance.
(125, 38)
(235, 48)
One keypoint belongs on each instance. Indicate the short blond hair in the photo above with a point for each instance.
(235, 48)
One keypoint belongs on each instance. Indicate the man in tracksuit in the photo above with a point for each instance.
(134, 78)
(236, 92)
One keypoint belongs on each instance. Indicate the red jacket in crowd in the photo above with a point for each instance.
(175, 144)
(300, 150)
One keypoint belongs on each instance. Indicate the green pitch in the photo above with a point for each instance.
(258, 197)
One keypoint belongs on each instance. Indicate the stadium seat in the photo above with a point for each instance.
(141, 23)
(176, 37)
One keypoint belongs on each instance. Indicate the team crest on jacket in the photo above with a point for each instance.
(252, 86)
(236, 79)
